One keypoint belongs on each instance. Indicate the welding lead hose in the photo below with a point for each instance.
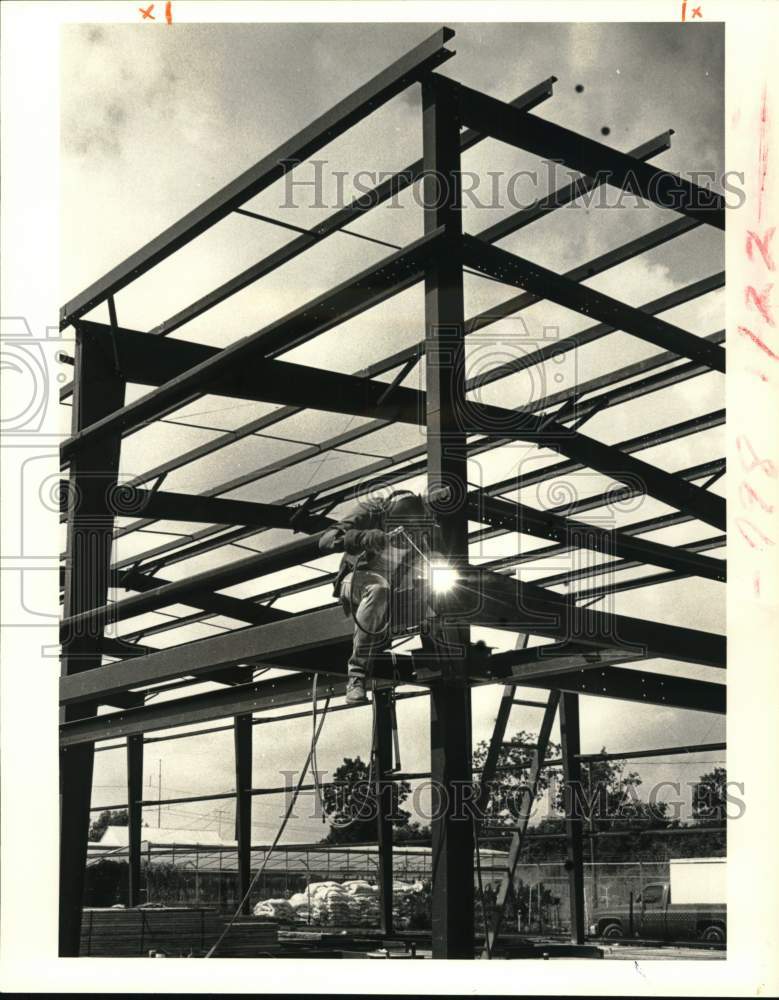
(314, 764)
(276, 839)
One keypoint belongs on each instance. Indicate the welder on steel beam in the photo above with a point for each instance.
(386, 542)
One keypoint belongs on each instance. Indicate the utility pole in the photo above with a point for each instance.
(159, 795)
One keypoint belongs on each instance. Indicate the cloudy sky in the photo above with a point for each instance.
(155, 119)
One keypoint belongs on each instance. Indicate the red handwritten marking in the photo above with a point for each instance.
(684, 10)
(757, 339)
(763, 246)
(753, 496)
(762, 153)
(761, 302)
(169, 12)
(752, 464)
(764, 464)
(741, 521)
(146, 13)
(696, 12)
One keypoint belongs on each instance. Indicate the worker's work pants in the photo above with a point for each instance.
(369, 602)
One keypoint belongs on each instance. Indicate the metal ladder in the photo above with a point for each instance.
(519, 829)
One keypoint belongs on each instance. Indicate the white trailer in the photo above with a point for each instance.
(698, 880)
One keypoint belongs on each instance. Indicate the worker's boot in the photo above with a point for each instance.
(355, 690)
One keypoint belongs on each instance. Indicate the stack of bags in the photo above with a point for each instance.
(329, 904)
(301, 904)
(363, 903)
(277, 909)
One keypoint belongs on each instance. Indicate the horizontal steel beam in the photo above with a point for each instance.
(376, 92)
(170, 551)
(628, 684)
(541, 662)
(619, 565)
(296, 689)
(663, 435)
(662, 752)
(202, 597)
(129, 501)
(371, 286)
(514, 516)
(575, 189)
(544, 138)
(558, 347)
(258, 645)
(280, 692)
(346, 394)
(519, 271)
(662, 380)
(483, 598)
(335, 223)
(489, 599)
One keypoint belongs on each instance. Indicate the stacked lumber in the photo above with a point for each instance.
(173, 931)
(249, 937)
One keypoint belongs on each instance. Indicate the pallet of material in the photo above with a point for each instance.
(175, 932)
(250, 937)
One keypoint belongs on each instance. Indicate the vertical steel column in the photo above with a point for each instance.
(383, 763)
(98, 390)
(243, 803)
(572, 791)
(134, 814)
(450, 697)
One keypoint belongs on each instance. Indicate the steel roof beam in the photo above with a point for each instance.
(519, 517)
(489, 599)
(597, 680)
(409, 69)
(129, 501)
(498, 602)
(334, 223)
(653, 524)
(219, 604)
(366, 289)
(345, 394)
(627, 684)
(618, 565)
(549, 285)
(546, 139)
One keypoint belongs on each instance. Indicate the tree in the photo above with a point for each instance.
(108, 817)
(350, 803)
(709, 797)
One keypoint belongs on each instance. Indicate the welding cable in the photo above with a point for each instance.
(276, 839)
(314, 764)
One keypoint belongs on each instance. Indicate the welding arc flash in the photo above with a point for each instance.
(442, 577)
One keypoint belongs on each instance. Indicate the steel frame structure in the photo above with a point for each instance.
(593, 652)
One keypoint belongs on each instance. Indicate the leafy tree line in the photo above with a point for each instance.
(609, 797)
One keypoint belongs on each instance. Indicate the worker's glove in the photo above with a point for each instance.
(370, 540)
(373, 540)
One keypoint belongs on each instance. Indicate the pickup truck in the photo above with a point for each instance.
(655, 917)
